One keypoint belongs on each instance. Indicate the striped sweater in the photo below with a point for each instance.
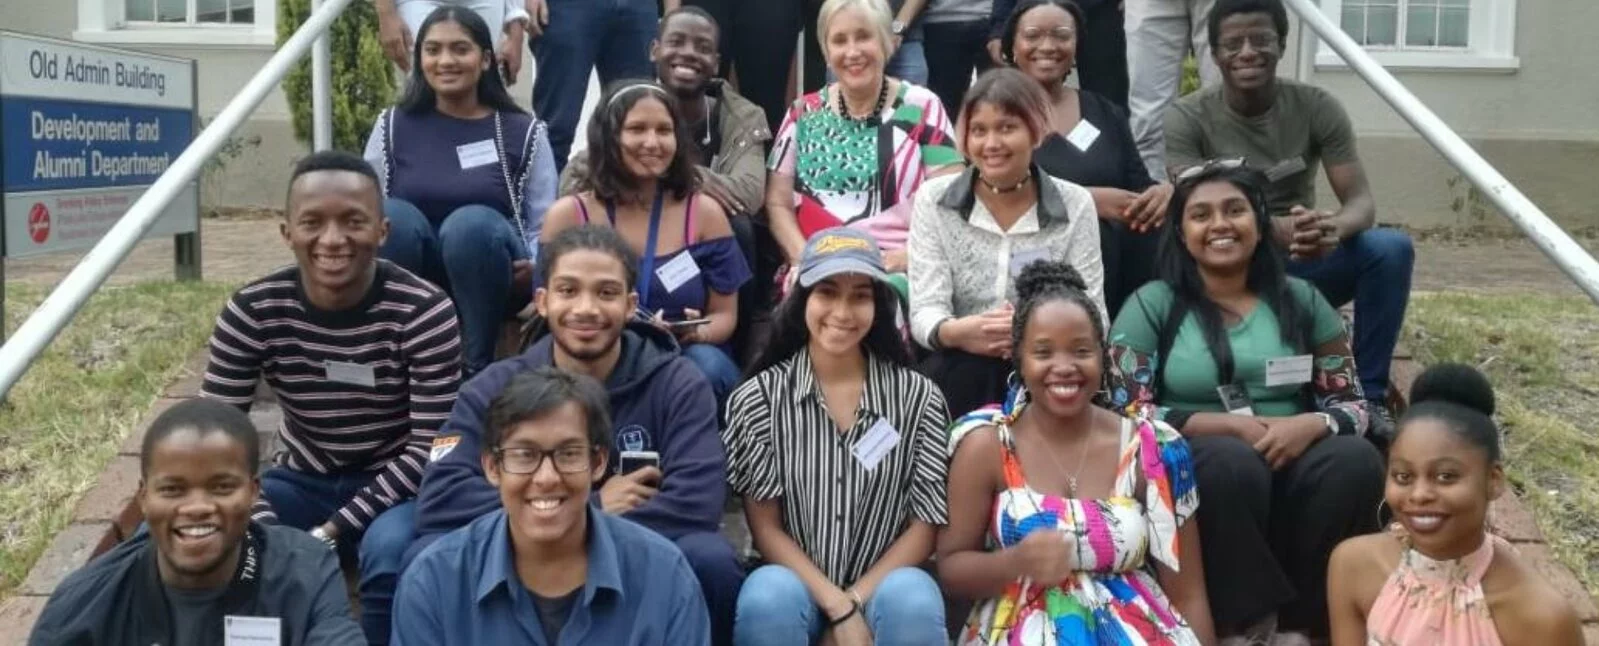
(362, 390)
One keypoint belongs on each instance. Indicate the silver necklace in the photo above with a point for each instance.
(1082, 456)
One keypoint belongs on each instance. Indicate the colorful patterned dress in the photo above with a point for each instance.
(1435, 603)
(1116, 599)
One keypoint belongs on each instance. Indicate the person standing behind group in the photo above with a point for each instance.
(955, 35)
(1089, 144)
(1437, 577)
(837, 447)
(972, 233)
(642, 177)
(570, 40)
(468, 221)
(1059, 555)
(1160, 34)
(855, 152)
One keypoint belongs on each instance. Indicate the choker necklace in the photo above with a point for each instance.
(1026, 179)
(843, 105)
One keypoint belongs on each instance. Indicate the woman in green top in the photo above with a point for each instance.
(1254, 367)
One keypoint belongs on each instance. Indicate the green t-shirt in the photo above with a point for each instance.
(1305, 127)
(1191, 373)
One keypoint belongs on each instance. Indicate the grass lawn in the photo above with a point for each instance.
(65, 419)
(1542, 353)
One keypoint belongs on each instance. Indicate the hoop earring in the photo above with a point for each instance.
(1013, 383)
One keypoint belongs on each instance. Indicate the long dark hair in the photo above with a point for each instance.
(1267, 279)
(608, 177)
(790, 334)
(419, 97)
(1007, 38)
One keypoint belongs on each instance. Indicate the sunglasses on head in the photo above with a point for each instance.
(1192, 172)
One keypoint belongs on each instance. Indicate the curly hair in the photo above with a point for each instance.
(609, 178)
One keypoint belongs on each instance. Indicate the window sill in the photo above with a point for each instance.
(219, 37)
(1328, 60)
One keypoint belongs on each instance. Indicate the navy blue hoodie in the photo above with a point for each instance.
(659, 402)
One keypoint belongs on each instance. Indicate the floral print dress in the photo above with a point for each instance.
(1115, 598)
(1435, 603)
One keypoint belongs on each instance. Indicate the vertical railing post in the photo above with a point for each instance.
(321, 89)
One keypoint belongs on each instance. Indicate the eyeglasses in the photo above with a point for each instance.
(524, 461)
(1192, 172)
(1260, 40)
(1035, 36)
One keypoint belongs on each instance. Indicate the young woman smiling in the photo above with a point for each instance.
(1437, 577)
(1074, 498)
(973, 232)
(641, 177)
(466, 221)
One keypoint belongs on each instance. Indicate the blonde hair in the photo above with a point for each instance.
(876, 12)
(1009, 90)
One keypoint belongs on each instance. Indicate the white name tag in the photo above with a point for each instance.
(1289, 371)
(879, 440)
(251, 631)
(1084, 135)
(1285, 169)
(358, 374)
(1019, 260)
(681, 269)
(477, 154)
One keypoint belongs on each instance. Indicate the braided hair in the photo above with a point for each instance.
(1048, 281)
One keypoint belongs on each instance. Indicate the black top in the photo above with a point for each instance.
(1112, 159)
(553, 612)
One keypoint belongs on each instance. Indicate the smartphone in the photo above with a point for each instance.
(635, 460)
(687, 323)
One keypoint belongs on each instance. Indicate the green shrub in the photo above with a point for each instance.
(363, 80)
(1190, 82)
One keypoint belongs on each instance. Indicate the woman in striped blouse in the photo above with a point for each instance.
(838, 449)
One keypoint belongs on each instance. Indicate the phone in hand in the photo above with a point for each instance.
(635, 460)
(685, 324)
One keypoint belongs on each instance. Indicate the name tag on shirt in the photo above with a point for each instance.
(358, 374)
(251, 631)
(680, 270)
(1019, 260)
(481, 153)
(1288, 371)
(1285, 169)
(879, 440)
(1084, 135)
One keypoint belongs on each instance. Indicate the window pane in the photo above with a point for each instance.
(1354, 23)
(1382, 26)
(1421, 26)
(243, 11)
(211, 10)
(140, 10)
(1454, 26)
(1456, 3)
(172, 10)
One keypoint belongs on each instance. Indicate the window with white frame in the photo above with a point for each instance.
(1428, 33)
(192, 12)
(179, 23)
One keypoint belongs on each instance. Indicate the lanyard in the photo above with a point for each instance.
(647, 274)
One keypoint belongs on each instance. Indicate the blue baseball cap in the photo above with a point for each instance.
(840, 250)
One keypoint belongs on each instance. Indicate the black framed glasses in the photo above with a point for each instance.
(524, 461)
(1192, 172)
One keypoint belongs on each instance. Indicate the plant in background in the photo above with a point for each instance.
(1471, 207)
(363, 81)
(1190, 78)
(213, 176)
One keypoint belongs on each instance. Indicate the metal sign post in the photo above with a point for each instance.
(84, 131)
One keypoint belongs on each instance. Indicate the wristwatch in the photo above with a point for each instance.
(898, 27)
(319, 534)
(1332, 424)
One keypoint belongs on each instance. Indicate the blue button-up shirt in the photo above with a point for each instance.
(464, 590)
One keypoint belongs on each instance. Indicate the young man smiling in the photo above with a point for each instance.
(1286, 129)
(659, 402)
(365, 359)
(550, 567)
(203, 573)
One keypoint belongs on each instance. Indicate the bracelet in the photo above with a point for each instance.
(932, 337)
(853, 608)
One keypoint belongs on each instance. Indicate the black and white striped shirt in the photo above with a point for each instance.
(781, 444)
(398, 361)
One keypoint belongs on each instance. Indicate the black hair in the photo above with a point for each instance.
(790, 334)
(1461, 398)
(591, 237)
(419, 97)
(1007, 38)
(204, 416)
(689, 10)
(335, 160)
(535, 393)
(1267, 279)
(1048, 281)
(608, 177)
(1228, 8)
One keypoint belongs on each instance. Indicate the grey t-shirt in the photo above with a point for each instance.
(958, 11)
(553, 612)
(190, 610)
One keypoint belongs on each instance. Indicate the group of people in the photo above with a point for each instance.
(1004, 362)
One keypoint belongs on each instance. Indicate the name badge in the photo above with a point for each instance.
(358, 374)
(1236, 400)
(251, 631)
(442, 447)
(679, 270)
(481, 153)
(1019, 260)
(1084, 135)
(1289, 371)
(1285, 169)
(879, 440)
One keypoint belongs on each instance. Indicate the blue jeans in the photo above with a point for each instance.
(468, 253)
(909, 63)
(610, 36)
(305, 500)
(717, 366)
(774, 609)
(1372, 269)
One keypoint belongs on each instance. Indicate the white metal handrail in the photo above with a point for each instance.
(42, 326)
(1548, 236)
